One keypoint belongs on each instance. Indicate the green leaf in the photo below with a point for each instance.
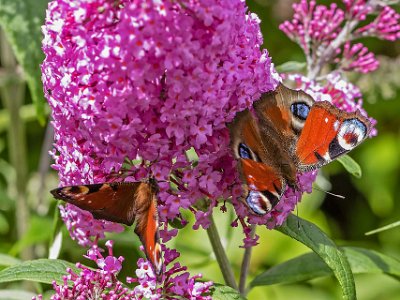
(301, 268)
(314, 238)
(16, 295)
(350, 165)
(40, 270)
(223, 292)
(8, 260)
(21, 21)
(310, 266)
(291, 66)
(370, 261)
(384, 228)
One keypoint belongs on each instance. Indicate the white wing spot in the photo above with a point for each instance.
(326, 120)
(336, 125)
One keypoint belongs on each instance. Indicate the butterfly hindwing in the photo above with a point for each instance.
(122, 202)
(263, 185)
(147, 230)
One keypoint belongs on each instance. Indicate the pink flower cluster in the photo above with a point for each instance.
(357, 58)
(385, 26)
(326, 33)
(102, 283)
(150, 79)
(176, 281)
(83, 228)
(313, 24)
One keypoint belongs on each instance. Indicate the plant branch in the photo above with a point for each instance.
(245, 264)
(220, 254)
(329, 51)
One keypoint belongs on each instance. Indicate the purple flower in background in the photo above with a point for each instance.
(385, 26)
(326, 33)
(357, 58)
(82, 227)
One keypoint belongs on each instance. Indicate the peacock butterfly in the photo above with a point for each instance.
(285, 133)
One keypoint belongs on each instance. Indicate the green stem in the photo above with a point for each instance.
(220, 254)
(245, 264)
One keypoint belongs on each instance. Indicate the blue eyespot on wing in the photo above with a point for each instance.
(300, 110)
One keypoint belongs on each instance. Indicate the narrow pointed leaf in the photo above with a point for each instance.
(350, 165)
(314, 238)
(309, 266)
(16, 295)
(8, 260)
(40, 270)
(384, 228)
(291, 66)
(223, 292)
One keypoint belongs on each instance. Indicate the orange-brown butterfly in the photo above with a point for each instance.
(286, 133)
(122, 202)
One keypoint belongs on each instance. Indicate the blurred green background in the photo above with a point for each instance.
(27, 210)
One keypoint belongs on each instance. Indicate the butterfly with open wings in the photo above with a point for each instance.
(286, 133)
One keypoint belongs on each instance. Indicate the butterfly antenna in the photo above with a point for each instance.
(332, 194)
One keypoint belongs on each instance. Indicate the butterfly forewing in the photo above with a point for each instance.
(327, 134)
(108, 201)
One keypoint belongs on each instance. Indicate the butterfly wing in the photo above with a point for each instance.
(263, 185)
(122, 202)
(263, 142)
(329, 133)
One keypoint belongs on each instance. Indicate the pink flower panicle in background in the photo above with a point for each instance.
(83, 228)
(326, 33)
(385, 26)
(357, 58)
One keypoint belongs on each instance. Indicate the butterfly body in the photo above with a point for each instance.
(122, 202)
(285, 133)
